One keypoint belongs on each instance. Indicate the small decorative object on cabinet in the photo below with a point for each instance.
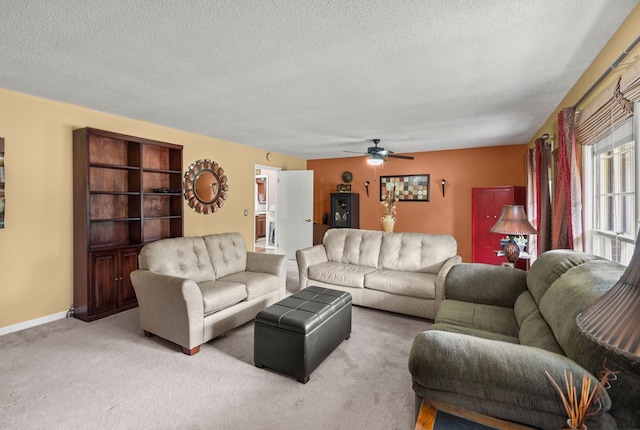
(127, 191)
(486, 207)
(345, 210)
(2, 203)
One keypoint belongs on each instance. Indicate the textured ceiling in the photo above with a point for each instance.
(312, 78)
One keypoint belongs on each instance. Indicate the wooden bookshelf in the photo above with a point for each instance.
(127, 192)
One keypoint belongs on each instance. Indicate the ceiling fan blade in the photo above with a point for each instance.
(404, 157)
(356, 152)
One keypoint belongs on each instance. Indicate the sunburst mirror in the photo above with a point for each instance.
(205, 186)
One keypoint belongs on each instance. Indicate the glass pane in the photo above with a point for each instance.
(627, 215)
(624, 178)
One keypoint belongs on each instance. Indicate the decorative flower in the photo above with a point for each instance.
(390, 201)
(520, 240)
(580, 404)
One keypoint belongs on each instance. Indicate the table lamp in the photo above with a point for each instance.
(513, 222)
(613, 320)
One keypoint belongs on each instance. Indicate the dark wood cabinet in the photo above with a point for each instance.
(127, 192)
(486, 207)
(261, 226)
(262, 190)
(345, 210)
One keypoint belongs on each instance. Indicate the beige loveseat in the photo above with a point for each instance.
(192, 289)
(397, 272)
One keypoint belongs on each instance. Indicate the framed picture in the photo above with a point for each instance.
(409, 188)
(2, 182)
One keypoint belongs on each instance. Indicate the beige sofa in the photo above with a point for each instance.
(192, 289)
(397, 272)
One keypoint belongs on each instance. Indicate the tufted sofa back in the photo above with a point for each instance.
(186, 257)
(227, 252)
(415, 252)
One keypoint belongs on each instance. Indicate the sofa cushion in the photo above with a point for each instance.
(185, 257)
(486, 318)
(217, 295)
(227, 253)
(550, 266)
(416, 252)
(412, 284)
(352, 246)
(257, 284)
(349, 275)
(570, 295)
(534, 330)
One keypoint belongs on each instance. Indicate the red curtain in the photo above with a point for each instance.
(567, 215)
(543, 195)
(532, 203)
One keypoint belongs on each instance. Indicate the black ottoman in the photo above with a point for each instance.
(294, 335)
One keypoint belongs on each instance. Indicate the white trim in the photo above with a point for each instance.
(32, 323)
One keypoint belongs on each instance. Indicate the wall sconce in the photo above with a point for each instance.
(442, 184)
(366, 187)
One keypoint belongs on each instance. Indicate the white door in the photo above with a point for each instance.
(294, 217)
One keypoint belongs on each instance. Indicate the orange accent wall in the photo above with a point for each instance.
(462, 170)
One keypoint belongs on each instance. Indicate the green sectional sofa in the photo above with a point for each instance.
(499, 329)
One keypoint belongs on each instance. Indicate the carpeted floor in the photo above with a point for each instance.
(107, 375)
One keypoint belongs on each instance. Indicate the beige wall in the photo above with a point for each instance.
(36, 243)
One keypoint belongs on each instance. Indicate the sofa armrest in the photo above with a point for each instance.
(487, 372)
(170, 307)
(442, 274)
(266, 263)
(274, 264)
(308, 257)
(485, 284)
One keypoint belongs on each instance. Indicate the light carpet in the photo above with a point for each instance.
(107, 375)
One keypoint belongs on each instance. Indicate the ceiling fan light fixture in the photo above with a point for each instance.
(375, 160)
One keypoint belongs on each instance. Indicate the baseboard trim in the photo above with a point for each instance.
(32, 323)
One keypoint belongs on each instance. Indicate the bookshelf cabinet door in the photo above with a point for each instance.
(128, 262)
(103, 279)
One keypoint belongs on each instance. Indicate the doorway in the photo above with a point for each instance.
(265, 208)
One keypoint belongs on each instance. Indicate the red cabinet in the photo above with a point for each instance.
(486, 206)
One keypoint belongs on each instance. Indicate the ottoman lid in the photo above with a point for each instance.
(305, 310)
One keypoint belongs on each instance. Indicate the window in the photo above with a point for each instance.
(611, 201)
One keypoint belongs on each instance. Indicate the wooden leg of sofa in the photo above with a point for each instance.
(148, 333)
(191, 351)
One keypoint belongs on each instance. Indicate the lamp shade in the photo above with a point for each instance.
(614, 319)
(513, 220)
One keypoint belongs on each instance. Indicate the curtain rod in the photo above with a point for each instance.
(606, 73)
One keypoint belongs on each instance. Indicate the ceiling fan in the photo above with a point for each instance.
(378, 155)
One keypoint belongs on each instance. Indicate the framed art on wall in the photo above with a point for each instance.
(408, 188)
(1, 182)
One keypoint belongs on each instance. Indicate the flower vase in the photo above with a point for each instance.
(570, 426)
(388, 222)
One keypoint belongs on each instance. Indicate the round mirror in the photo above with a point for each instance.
(205, 186)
